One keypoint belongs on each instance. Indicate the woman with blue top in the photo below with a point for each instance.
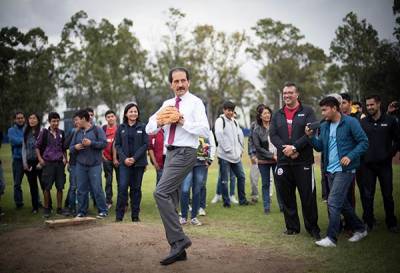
(131, 143)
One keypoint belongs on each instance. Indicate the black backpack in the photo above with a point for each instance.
(223, 127)
(45, 140)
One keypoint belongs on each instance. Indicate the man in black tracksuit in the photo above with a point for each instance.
(295, 162)
(384, 141)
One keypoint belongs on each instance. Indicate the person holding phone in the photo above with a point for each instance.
(343, 142)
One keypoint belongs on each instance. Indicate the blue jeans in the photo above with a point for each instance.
(18, 174)
(232, 179)
(195, 179)
(90, 178)
(108, 168)
(129, 177)
(265, 179)
(338, 203)
(203, 191)
(237, 169)
(72, 187)
(265, 171)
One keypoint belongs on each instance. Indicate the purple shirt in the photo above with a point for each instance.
(54, 148)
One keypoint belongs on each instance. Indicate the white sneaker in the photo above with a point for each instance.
(195, 222)
(182, 221)
(233, 199)
(326, 242)
(216, 199)
(202, 212)
(357, 236)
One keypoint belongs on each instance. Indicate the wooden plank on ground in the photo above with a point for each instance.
(69, 221)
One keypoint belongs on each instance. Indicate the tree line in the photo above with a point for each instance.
(100, 63)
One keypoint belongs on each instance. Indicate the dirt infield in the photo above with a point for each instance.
(128, 248)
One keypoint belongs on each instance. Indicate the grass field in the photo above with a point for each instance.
(379, 252)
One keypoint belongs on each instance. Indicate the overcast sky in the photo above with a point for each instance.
(317, 19)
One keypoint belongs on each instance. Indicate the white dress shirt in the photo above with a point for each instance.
(195, 122)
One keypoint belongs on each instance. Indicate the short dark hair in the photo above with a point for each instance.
(83, 114)
(290, 84)
(129, 106)
(53, 115)
(331, 102)
(175, 69)
(357, 103)
(17, 113)
(90, 109)
(377, 98)
(109, 112)
(346, 96)
(228, 105)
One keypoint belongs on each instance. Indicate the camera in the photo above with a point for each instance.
(314, 125)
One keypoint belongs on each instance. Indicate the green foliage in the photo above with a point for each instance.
(396, 12)
(367, 65)
(26, 73)
(283, 57)
(100, 63)
(354, 48)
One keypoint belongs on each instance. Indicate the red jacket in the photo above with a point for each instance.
(156, 143)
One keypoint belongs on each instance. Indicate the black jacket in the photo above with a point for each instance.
(279, 135)
(383, 136)
(140, 143)
(261, 143)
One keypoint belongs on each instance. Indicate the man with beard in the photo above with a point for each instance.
(384, 141)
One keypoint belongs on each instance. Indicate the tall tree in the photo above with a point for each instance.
(173, 52)
(26, 73)
(354, 50)
(396, 12)
(100, 63)
(214, 57)
(282, 56)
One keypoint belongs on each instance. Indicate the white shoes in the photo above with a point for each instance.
(216, 199)
(326, 242)
(233, 199)
(182, 221)
(202, 212)
(357, 236)
(195, 222)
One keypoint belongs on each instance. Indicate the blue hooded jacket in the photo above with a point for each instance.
(351, 141)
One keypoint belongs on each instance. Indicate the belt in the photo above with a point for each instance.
(171, 148)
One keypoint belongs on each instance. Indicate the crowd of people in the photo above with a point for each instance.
(356, 144)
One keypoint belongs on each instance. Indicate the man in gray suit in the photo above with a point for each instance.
(181, 139)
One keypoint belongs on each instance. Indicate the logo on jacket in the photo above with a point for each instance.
(279, 171)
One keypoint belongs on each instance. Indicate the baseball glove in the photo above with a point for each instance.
(168, 115)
